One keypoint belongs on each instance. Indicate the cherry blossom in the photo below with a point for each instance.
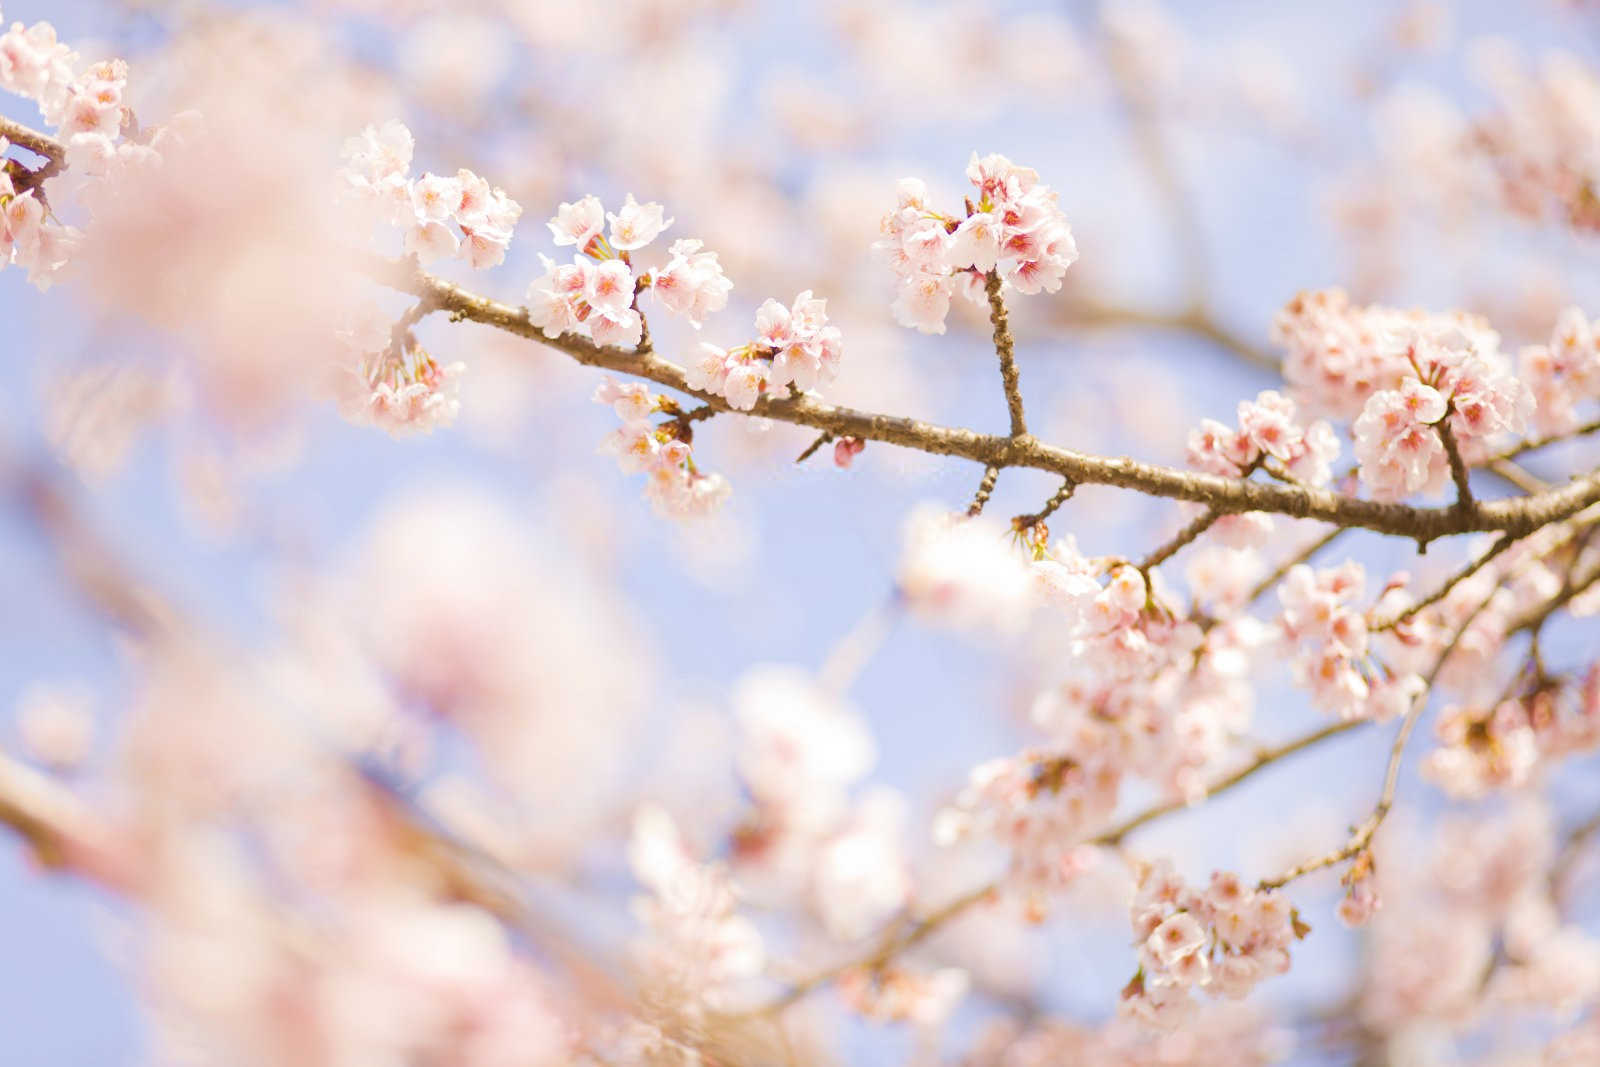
(675, 485)
(1014, 228)
(377, 164)
(1223, 940)
(489, 786)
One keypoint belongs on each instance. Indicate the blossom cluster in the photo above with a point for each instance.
(794, 346)
(675, 486)
(1142, 691)
(1537, 139)
(377, 169)
(1503, 745)
(1330, 643)
(1398, 437)
(1014, 229)
(28, 237)
(1223, 940)
(88, 113)
(1269, 436)
(1563, 373)
(1337, 353)
(395, 384)
(1406, 378)
(597, 292)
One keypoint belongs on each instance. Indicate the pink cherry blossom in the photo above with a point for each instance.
(635, 226)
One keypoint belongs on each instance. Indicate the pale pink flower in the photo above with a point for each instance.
(608, 287)
(692, 283)
(636, 225)
(619, 329)
(976, 242)
(923, 302)
(380, 152)
(578, 223)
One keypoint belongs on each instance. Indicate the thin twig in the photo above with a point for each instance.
(1518, 476)
(1165, 551)
(1061, 496)
(1534, 443)
(1444, 590)
(822, 438)
(985, 488)
(1265, 585)
(1458, 466)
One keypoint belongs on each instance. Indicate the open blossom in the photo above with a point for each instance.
(597, 292)
(1330, 642)
(585, 295)
(402, 389)
(1503, 746)
(794, 346)
(1563, 373)
(1223, 939)
(1270, 434)
(439, 216)
(578, 223)
(34, 64)
(1398, 443)
(379, 154)
(94, 101)
(636, 225)
(1014, 228)
(674, 485)
(692, 283)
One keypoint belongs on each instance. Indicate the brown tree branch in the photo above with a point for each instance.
(1458, 466)
(1005, 348)
(53, 152)
(1226, 495)
(985, 488)
(1020, 523)
(1444, 590)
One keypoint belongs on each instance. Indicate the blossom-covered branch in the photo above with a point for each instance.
(1227, 496)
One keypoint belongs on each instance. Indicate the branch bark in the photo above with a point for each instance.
(1226, 496)
(1005, 348)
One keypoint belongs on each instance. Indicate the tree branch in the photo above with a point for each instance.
(1020, 523)
(1005, 348)
(1458, 466)
(985, 488)
(40, 144)
(1226, 495)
